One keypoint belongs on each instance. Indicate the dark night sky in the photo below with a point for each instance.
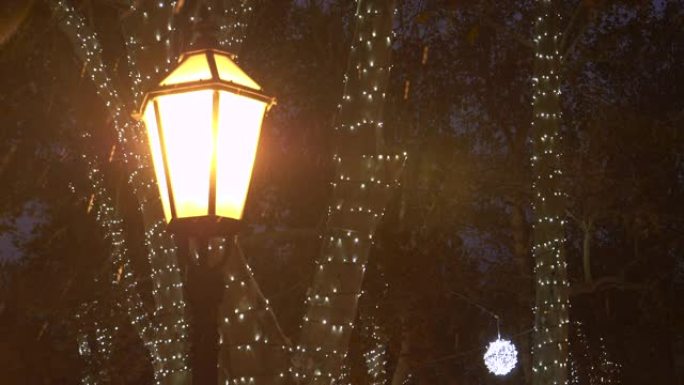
(20, 230)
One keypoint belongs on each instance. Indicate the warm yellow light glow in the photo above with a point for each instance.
(155, 150)
(230, 72)
(239, 127)
(186, 123)
(204, 136)
(193, 68)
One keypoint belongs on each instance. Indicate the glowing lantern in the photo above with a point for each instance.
(203, 123)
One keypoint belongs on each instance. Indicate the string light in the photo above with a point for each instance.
(550, 338)
(376, 357)
(95, 352)
(361, 187)
(249, 333)
(164, 330)
(588, 368)
(234, 27)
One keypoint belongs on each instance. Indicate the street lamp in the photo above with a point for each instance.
(203, 122)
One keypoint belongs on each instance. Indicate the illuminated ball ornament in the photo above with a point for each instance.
(203, 123)
(501, 357)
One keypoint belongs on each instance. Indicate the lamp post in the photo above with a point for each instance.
(203, 122)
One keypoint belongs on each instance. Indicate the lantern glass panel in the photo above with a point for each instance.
(155, 150)
(239, 126)
(188, 139)
(230, 72)
(191, 69)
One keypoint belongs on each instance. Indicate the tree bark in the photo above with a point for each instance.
(252, 345)
(550, 336)
(364, 180)
(402, 370)
(164, 331)
(587, 232)
(521, 252)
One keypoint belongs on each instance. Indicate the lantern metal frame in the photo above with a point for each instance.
(211, 224)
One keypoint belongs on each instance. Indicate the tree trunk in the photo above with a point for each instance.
(363, 183)
(252, 345)
(521, 247)
(521, 252)
(550, 337)
(402, 370)
(164, 332)
(587, 230)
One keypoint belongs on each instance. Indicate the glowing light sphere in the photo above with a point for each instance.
(501, 357)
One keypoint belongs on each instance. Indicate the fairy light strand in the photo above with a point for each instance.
(123, 279)
(148, 33)
(376, 356)
(550, 337)
(363, 183)
(95, 345)
(253, 348)
(233, 30)
(587, 367)
(166, 337)
(168, 344)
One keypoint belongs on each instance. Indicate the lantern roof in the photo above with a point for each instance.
(207, 68)
(197, 66)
